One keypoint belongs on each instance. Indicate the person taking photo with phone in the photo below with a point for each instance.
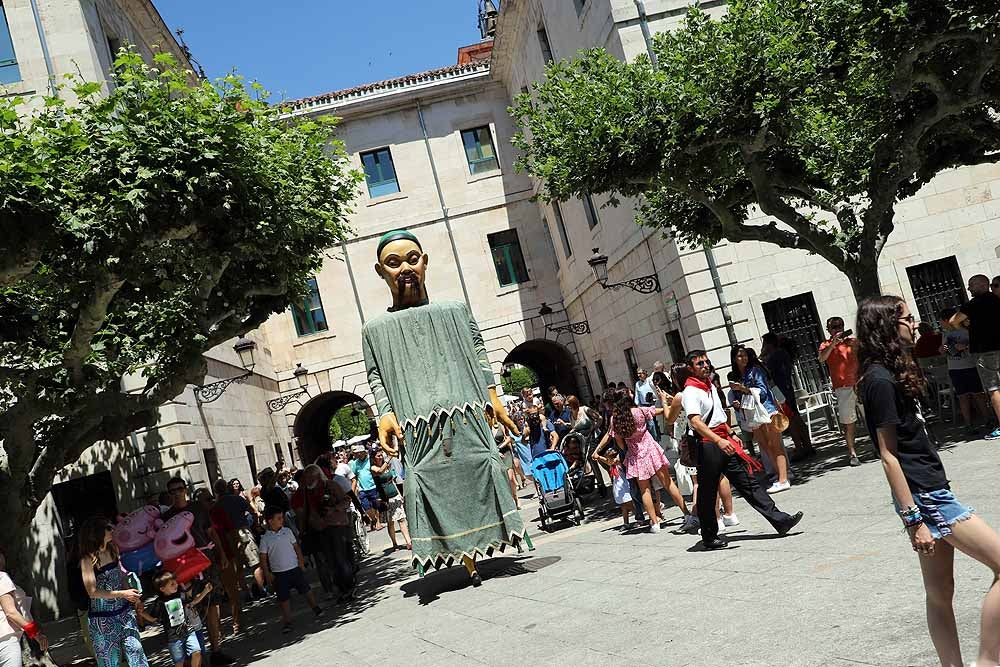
(840, 353)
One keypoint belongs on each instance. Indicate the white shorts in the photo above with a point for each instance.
(620, 490)
(395, 511)
(10, 652)
(847, 405)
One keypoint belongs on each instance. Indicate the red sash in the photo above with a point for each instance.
(723, 430)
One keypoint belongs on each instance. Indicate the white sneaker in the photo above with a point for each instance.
(654, 527)
(730, 519)
(722, 526)
(778, 487)
(691, 524)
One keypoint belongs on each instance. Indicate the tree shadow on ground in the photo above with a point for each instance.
(432, 586)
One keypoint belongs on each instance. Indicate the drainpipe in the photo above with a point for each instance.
(354, 283)
(444, 209)
(45, 49)
(713, 267)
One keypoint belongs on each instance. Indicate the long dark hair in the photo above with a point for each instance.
(91, 538)
(621, 412)
(679, 374)
(752, 360)
(879, 343)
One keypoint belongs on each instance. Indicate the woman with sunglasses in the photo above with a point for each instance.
(937, 523)
(113, 627)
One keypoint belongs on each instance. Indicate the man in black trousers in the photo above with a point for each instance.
(719, 453)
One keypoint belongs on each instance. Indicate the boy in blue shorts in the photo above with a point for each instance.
(175, 611)
(283, 565)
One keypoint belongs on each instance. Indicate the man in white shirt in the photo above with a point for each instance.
(721, 454)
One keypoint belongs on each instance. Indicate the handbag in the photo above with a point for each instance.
(684, 483)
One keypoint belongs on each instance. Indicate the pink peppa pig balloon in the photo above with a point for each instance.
(137, 529)
(174, 539)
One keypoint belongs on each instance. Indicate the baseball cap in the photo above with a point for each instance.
(358, 448)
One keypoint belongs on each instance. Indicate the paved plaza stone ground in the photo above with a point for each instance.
(843, 589)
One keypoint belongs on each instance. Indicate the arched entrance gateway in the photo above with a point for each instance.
(552, 364)
(312, 422)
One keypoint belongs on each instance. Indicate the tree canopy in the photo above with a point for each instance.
(820, 114)
(349, 422)
(140, 227)
(519, 378)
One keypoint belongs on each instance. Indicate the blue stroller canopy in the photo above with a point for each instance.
(549, 470)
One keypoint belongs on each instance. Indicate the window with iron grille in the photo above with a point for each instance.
(380, 173)
(479, 152)
(675, 346)
(795, 319)
(309, 316)
(936, 285)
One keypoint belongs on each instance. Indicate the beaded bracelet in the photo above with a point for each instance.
(911, 516)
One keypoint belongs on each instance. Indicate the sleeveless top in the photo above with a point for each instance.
(111, 577)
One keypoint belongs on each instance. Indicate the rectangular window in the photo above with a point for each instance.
(580, 5)
(633, 365)
(309, 316)
(212, 466)
(379, 173)
(291, 454)
(561, 227)
(795, 318)
(936, 285)
(252, 460)
(9, 71)
(675, 345)
(601, 376)
(543, 44)
(507, 257)
(279, 456)
(590, 211)
(479, 151)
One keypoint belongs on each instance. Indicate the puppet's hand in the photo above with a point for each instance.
(501, 412)
(388, 426)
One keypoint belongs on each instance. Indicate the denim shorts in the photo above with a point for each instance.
(940, 510)
(184, 648)
(369, 499)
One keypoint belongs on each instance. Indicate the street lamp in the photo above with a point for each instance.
(643, 284)
(301, 375)
(578, 328)
(206, 393)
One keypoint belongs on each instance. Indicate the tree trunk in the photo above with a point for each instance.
(863, 276)
(15, 526)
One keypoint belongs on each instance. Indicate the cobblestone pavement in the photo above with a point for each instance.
(843, 589)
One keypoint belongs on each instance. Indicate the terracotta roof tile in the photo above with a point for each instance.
(388, 84)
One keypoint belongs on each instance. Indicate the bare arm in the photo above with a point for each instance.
(675, 410)
(920, 535)
(298, 555)
(144, 615)
(553, 439)
(201, 596)
(825, 353)
(959, 319)
(601, 445)
(95, 593)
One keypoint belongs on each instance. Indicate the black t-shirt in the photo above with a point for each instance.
(983, 312)
(885, 405)
(177, 618)
(275, 497)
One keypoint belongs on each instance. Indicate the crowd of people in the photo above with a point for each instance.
(258, 540)
(258, 543)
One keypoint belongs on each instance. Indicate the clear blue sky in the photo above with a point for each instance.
(298, 48)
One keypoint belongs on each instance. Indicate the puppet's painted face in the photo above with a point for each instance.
(402, 265)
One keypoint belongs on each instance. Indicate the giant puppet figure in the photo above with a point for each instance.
(428, 370)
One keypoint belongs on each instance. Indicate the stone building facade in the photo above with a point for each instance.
(435, 148)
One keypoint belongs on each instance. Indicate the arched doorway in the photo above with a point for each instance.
(312, 423)
(551, 362)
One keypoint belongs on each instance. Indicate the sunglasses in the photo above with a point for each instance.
(909, 319)
(702, 364)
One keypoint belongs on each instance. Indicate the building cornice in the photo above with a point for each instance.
(390, 91)
(155, 28)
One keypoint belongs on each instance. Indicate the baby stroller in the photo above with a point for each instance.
(555, 491)
(581, 474)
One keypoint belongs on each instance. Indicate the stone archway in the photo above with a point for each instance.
(551, 362)
(312, 422)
